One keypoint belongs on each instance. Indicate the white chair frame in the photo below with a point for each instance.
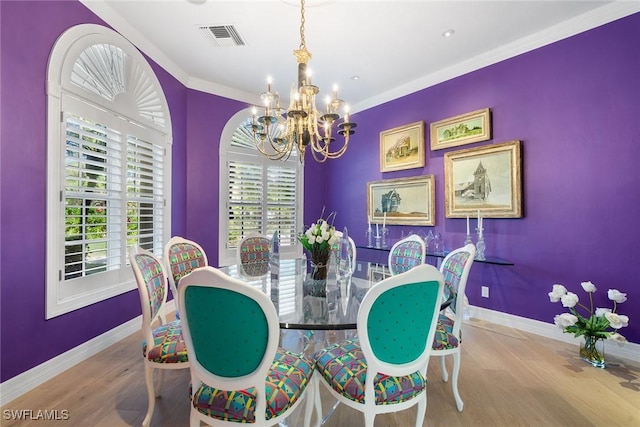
(457, 323)
(212, 277)
(421, 273)
(176, 240)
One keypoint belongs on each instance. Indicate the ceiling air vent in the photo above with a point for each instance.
(223, 35)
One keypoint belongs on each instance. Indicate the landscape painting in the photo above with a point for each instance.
(460, 130)
(402, 201)
(402, 147)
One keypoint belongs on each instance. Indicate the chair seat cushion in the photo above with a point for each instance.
(443, 338)
(288, 376)
(344, 368)
(169, 346)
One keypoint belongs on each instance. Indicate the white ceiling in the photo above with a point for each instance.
(395, 47)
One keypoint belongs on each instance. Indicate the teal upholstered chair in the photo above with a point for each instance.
(181, 257)
(163, 346)
(448, 339)
(406, 254)
(253, 255)
(239, 374)
(384, 370)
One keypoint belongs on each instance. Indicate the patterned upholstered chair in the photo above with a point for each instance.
(181, 256)
(163, 346)
(448, 339)
(239, 374)
(253, 255)
(406, 254)
(384, 370)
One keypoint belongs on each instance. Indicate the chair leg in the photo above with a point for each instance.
(369, 419)
(151, 395)
(160, 381)
(308, 405)
(422, 410)
(194, 420)
(454, 380)
(443, 369)
(317, 399)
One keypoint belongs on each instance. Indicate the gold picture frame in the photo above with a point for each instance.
(402, 147)
(486, 179)
(460, 130)
(405, 201)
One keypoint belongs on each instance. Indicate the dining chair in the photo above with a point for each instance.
(163, 346)
(448, 338)
(239, 374)
(253, 255)
(406, 254)
(181, 256)
(384, 369)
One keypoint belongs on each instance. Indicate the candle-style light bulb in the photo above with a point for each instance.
(346, 114)
(335, 91)
(269, 81)
(308, 76)
(327, 99)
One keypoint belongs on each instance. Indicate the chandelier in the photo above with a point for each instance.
(276, 133)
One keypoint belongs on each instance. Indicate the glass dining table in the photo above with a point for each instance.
(306, 304)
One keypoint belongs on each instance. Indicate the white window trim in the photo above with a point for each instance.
(63, 297)
(229, 256)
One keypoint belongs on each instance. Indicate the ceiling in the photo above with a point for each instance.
(394, 47)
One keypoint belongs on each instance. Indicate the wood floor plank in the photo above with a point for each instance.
(508, 378)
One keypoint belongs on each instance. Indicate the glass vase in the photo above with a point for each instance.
(592, 351)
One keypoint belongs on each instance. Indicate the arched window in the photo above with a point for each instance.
(257, 195)
(109, 166)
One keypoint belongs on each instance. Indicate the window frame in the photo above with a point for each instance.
(65, 97)
(228, 256)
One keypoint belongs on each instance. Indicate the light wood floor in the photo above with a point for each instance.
(508, 378)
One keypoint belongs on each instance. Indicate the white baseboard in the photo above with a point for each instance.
(28, 380)
(22, 383)
(629, 351)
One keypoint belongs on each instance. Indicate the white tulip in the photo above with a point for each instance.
(617, 296)
(565, 319)
(617, 337)
(602, 311)
(569, 300)
(588, 286)
(616, 320)
(557, 292)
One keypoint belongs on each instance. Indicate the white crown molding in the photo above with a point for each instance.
(587, 21)
(628, 350)
(595, 18)
(28, 380)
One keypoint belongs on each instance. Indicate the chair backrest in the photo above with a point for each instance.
(397, 320)
(253, 255)
(152, 287)
(406, 254)
(231, 331)
(181, 257)
(455, 269)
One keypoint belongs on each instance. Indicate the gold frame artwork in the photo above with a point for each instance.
(488, 179)
(460, 130)
(402, 147)
(416, 195)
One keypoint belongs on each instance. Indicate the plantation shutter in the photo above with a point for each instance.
(281, 203)
(246, 202)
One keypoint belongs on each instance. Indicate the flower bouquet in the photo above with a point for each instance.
(595, 325)
(318, 241)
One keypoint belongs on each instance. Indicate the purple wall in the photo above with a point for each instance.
(575, 106)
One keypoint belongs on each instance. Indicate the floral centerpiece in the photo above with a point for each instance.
(318, 240)
(595, 325)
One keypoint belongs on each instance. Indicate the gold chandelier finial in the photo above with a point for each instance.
(302, 125)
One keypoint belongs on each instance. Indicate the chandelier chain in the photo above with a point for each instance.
(303, 44)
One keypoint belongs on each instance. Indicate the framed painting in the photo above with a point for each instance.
(487, 179)
(402, 147)
(402, 201)
(460, 130)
